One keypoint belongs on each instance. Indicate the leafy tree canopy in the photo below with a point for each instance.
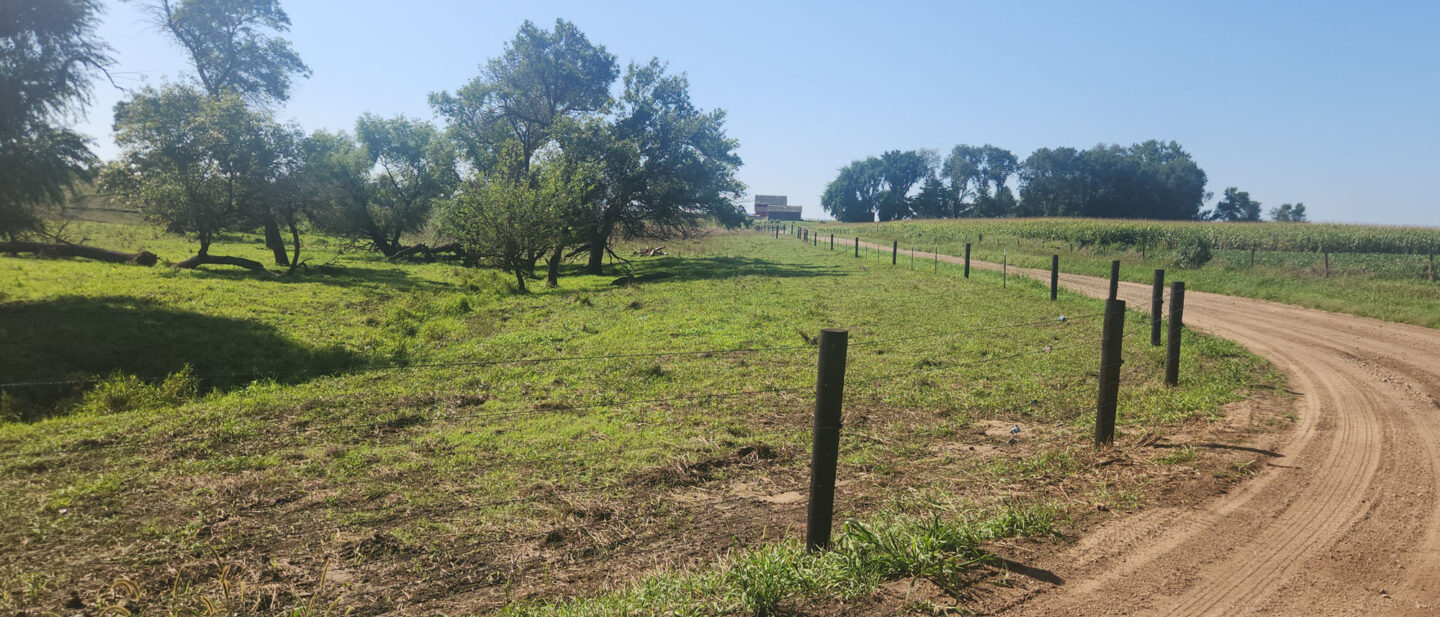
(235, 45)
(48, 56)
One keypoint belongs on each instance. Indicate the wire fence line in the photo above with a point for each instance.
(396, 366)
(538, 408)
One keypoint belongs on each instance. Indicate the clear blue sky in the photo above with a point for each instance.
(1336, 105)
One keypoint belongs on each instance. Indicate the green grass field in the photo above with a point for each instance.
(417, 438)
(1393, 287)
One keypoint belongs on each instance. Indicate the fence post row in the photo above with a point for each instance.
(1157, 304)
(967, 260)
(1110, 340)
(894, 252)
(1114, 280)
(825, 444)
(1177, 321)
(1054, 277)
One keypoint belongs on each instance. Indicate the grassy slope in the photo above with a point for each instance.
(258, 454)
(1389, 287)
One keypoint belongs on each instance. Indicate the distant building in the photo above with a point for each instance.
(775, 208)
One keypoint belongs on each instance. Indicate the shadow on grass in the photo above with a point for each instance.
(373, 275)
(649, 269)
(84, 338)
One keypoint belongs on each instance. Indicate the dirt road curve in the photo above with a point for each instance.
(1345, 521)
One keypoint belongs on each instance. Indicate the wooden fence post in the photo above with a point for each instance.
(1114, 280)
(832, 242)
(857, 246)
(825, 439)
(894, 252)
(967, 260)
(1177, 321)
(1054, 277)
(1157, 303)
(1110, 347)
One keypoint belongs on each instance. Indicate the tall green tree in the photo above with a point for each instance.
(1288, 213)
(49, 54)
(236, 48)
(414, 169)
(508, 216)
(196, 163)
(977, 174)
(900, 171)
(544, 81)
(666, 164)
(541, 77)
(1153, 179)
(1235, 205)
(855, 193)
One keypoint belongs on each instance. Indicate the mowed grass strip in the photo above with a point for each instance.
(417, 431)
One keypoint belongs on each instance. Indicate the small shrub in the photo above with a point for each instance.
(1193, 254)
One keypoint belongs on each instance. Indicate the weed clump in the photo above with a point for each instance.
(122, 392)
(1193, 254)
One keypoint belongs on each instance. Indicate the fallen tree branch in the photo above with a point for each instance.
(221, 260)
(45, 249)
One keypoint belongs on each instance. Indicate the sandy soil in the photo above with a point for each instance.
(1344, 521)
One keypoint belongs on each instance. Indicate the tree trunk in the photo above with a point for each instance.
(202, 258)
(598, 242)
(520, 279)
(143, 258)
(274, 241)
(295, 237)
(552, 274)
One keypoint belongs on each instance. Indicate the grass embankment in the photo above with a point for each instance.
(1392, 287)
(416, 438)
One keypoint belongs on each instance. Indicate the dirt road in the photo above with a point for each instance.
(1345, 520)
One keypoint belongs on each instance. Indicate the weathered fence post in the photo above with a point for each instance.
(936, 255)
(912, 259)
(1054, 277)
(1114, 280)
(825, 444)
(1327, 265)
(1004, 268)
(1177, 321)
(832, 242)
(1110, 360)
(967, 260)
(1432, 267)
(857, 246)
(1157, 303)
(1252, 256)
(894, 252)
(777, 232)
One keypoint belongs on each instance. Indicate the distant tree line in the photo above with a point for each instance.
(542, 156)
(1149, 180)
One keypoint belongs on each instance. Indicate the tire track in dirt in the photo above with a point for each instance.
(1345, 521)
